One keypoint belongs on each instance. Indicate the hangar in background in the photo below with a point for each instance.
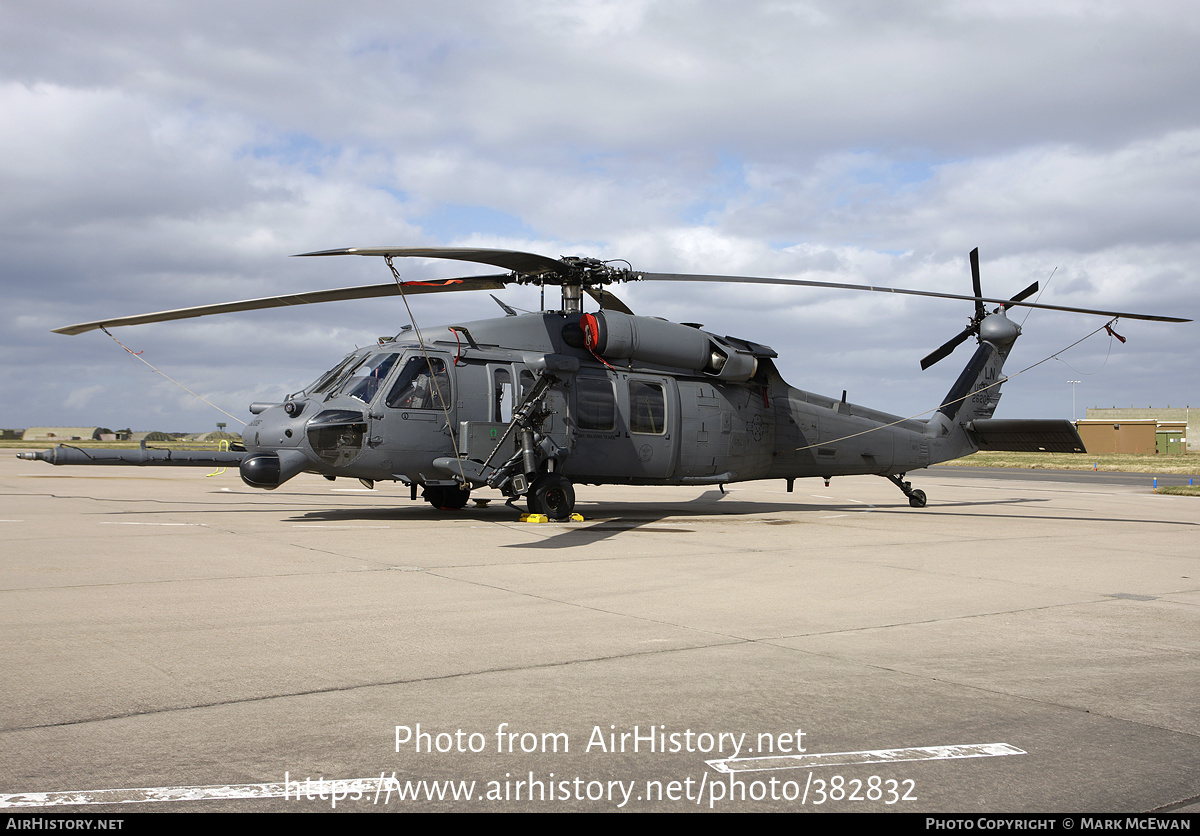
(1139, 431)
(60, 434)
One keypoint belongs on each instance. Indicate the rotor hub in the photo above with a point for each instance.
(999, 330)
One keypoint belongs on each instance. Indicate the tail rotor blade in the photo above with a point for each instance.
(976, 284)
(946, 348)
(1024, 294)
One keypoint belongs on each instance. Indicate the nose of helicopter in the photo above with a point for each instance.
(270, 470)
(273, 439)
(277, 426)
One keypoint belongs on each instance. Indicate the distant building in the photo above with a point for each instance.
(56, 434)
(214, 435)
(1172, 426)
(1129, 436)
(149, 436)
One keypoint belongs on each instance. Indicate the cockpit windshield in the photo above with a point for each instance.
(368, 376)
(326, 380)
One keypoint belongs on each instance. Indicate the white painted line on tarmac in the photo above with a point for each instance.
(201, 525)
(363, 787)
(366, 787)
(818, 759)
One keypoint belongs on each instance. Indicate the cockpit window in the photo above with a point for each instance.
(369, 376)
(326, 380)
(416, 388)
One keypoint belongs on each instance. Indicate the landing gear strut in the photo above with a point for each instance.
(915, 498)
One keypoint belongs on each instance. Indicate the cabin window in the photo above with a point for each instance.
(595, 404)
(647, 408)
(422, 384)
(502, 395)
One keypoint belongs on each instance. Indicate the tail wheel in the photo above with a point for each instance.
(552, 495)
(917, 499)
(446, 498)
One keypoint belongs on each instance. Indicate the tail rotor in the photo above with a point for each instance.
(947, 348)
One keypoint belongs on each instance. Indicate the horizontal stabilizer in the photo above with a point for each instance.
(1026, 435)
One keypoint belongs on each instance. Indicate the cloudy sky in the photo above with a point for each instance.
(158, 155)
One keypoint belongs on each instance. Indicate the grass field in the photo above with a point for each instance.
(1180, 490)
(1182, 463)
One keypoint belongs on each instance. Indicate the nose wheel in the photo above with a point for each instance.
(915, 498)
(552, 495)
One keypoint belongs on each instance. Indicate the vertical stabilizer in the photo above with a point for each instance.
(976, 393)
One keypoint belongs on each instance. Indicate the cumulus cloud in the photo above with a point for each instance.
(156, 156)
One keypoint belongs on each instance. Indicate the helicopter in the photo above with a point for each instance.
(533, 404)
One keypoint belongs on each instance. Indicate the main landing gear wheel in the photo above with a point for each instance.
(915, 498)
(446, 498)
(552, 495)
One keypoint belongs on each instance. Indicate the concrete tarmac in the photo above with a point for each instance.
(1019, 645)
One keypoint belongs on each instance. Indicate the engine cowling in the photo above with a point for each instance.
(618, 336)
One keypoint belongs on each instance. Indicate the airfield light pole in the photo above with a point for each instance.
(1073, 382)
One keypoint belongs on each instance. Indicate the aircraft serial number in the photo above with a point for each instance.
(838, 788)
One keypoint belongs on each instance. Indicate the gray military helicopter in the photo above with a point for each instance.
(534, 404)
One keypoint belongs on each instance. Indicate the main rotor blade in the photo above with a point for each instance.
(684, 277)
(608, 301)
(369, 291)
(514, 260)
(946, 349)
